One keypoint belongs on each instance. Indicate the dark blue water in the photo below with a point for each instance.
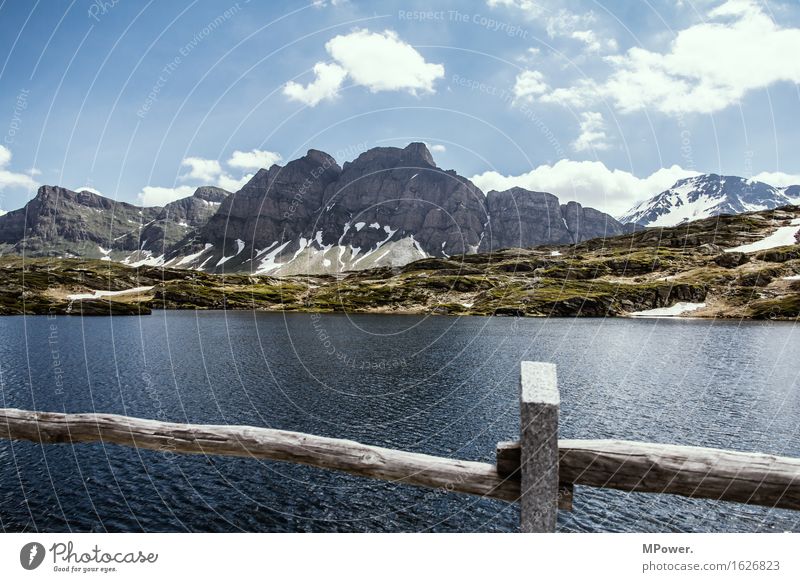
(438, 385)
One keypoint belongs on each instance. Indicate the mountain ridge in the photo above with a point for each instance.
(707, 195)
(387, 207)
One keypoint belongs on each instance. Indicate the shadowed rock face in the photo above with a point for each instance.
(181, 219)
(521, 218)
(402, 191)
(276, 205)
(59, 221)
(588, 223)
(387, 207)
(390, 204)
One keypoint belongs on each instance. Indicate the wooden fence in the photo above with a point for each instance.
(539, 471)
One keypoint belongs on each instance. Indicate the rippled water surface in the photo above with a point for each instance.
(440, 385)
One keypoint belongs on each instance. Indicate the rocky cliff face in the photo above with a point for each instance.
(180, 220)
(521, 218)
(387, 207)
(400, 197)
(61, 222)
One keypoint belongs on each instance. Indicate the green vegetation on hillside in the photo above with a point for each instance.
(603, 277)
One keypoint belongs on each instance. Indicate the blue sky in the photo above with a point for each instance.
(603, 102)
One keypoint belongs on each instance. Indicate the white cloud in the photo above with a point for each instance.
(9, 179)
(529, 84)
(159, 195)
(210, 173)
(708, 66)
(233, 184)
(778, 179)
(562, 23)
(207, 172)
(590, 183)
(329, 79)
(593, 133)
(253, 160)
(377, 61)
(202, 169)
(437, 148)
(532, 8)
(593, 43)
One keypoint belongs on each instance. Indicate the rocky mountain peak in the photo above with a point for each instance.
(210, 194)
(418, 153)
(707, 195)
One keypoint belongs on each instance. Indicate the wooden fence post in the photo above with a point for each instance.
(539, 404)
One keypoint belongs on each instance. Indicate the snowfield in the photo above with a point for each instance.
(98, 293)
(782, 237)
(673, 311)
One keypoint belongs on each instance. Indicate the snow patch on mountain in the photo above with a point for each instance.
(708, 195)
(784, 236)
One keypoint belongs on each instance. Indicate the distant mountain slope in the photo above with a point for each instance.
(709, 195)
(63, 223)
(60, 222)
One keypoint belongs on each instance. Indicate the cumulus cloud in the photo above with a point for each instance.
(562, 23)
(210, 172)
(231, 184)
(254, 159)
(160, 195)
(707, 67)
(202, 169)
(593, 133)
(328, 80)
(377, 61)
(528, 85)
(9, 179)
(207, 172)
(593, 43)
(590, 183)
(778, 179)
(577, 27)
(437, 148)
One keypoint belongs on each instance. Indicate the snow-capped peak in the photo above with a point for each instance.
(708, 195)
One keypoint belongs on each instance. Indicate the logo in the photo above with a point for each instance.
(31, 555)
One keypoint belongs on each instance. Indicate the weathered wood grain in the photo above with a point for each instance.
(753, 478)
(446, 475)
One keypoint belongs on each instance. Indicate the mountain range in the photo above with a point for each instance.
(388, 207)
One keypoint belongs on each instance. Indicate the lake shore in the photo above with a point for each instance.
(694, 269)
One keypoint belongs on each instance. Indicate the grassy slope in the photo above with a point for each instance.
(644, 270)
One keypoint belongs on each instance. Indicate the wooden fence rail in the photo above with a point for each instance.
(538, 471)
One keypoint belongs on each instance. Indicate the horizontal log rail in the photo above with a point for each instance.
(261, 443)
(699, 472)
(752, 478)
(539, 471)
